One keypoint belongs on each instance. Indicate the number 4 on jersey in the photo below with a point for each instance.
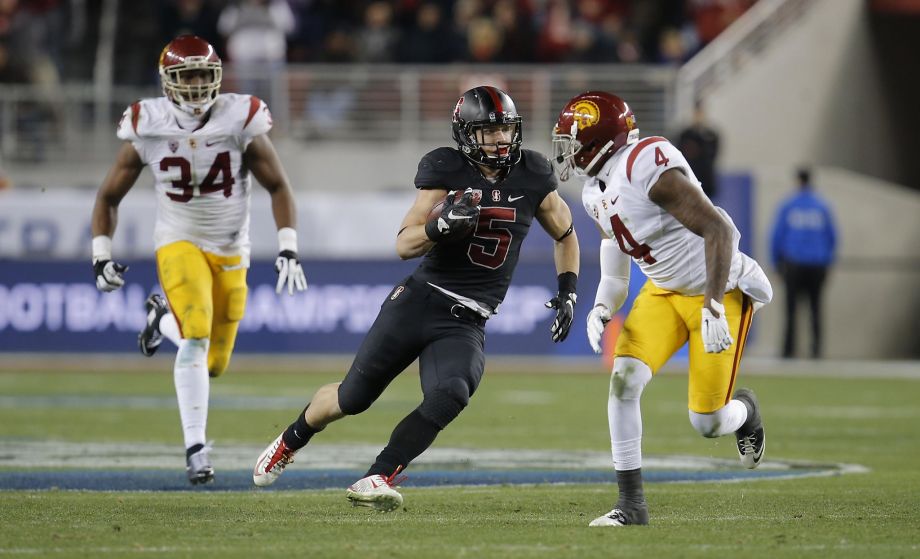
(660, 159)
(628, 243)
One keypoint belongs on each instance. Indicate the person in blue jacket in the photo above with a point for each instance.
(802, 249)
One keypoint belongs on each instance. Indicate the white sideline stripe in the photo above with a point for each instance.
(301, 363)
(112, 455)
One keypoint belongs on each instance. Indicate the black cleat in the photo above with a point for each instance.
(751, 439)
(148, 341)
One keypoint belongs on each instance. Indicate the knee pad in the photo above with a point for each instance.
(708, 424)
(192, 351)
(628, 378)
(443, 404)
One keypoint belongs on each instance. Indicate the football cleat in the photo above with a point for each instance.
(198, 466)
(376, 492)
(150, 338)
(750, 436)
(622, 515)
(271, 462)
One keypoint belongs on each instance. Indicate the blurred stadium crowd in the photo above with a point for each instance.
(46, 41)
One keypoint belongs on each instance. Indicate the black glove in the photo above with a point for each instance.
(564, 303)
(457, 220)
(109, 274)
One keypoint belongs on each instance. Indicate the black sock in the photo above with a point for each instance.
(410, 438)
(299, 433)
(192, 450)
(630, 484)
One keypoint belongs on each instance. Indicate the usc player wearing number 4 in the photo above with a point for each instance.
(650, 207)
(201, 146)
(494, 190)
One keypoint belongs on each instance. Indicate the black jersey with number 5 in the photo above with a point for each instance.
(480, 267)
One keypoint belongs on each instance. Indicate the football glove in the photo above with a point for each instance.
(458, 217)
(716, 337)
(597, 321)
(564, 303)
(290, 273)
(109, 274)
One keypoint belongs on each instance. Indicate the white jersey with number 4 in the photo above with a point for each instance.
(203, 189)
(668, 253)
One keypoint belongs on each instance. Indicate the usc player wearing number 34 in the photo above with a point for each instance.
(201, 146)
(650, 208)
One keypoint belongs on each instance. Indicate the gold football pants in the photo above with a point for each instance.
(207, 295)
(662, 321)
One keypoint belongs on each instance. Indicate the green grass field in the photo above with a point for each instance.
(872, 422)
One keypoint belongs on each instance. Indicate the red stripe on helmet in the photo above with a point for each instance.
(496, 99)
(635, 153)
(254, 104)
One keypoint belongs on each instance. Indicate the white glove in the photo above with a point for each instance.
(716, 337)
(109, 275)
(597, 321)
(290, 273)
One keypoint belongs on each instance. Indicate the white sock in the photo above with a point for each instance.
(170, 328)
(723, 421)
(192, 385)
(623, 413)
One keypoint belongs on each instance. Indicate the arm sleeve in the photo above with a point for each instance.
(614, 285)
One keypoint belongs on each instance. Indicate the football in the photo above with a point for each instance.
(459, 229)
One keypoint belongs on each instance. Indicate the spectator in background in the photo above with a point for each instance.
(188, 17)
(430, 40)
(378, 38)
(256, 32)
(699, 143)
(802, 250)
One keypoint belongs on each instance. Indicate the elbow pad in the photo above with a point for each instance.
(614, 285)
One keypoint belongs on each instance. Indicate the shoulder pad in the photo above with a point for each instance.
(536, 162)
(437, 167)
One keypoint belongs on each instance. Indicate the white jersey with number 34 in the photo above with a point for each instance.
(202, 186)
(668, 253)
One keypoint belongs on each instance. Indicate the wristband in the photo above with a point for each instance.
(567, 282)
(287, 239)
(102, 248)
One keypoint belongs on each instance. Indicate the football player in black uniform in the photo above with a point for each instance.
(492, 190)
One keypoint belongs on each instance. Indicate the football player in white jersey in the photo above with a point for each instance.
(201, 146)
(700, 289)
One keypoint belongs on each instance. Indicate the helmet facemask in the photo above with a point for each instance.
(192, 96)
(470, 138)
(565, 146)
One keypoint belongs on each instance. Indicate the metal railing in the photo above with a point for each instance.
(735, 46)
(318, 103)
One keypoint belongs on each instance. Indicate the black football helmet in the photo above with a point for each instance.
(481, 107)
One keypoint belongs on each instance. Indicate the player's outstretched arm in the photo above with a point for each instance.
(412, 241)
(119, 180)
(262, 160)
(555, 217)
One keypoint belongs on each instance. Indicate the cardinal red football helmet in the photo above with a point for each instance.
(590, 129)
(191, 72)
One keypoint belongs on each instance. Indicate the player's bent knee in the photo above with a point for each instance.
(191, 351)
(443, 404)
(628, 378)
(218, 366)
(708, 424)
(354, 398)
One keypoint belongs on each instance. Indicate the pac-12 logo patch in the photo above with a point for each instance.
(173, 145)
(397, 292)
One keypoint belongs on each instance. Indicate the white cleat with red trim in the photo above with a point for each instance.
(376, 492)
(272, 462)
